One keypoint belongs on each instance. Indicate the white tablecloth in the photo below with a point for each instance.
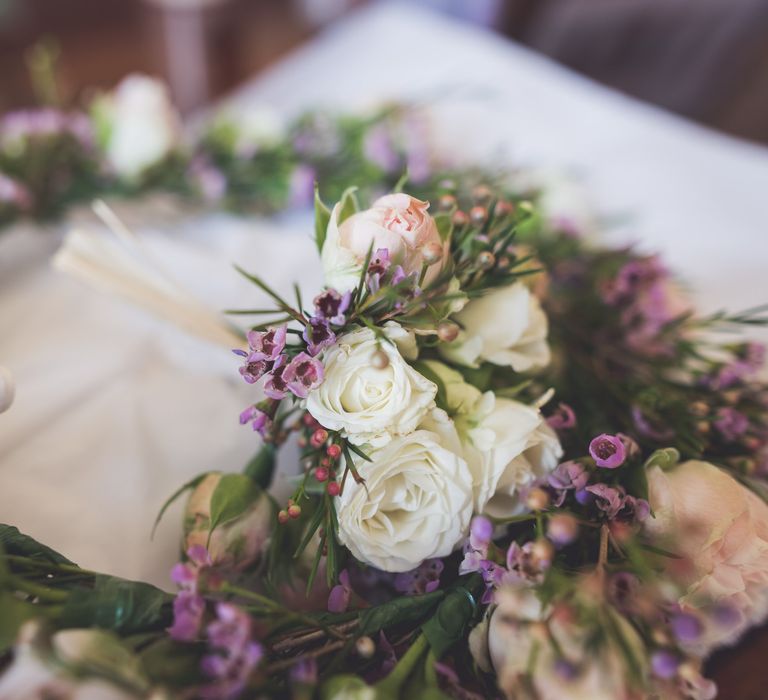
(114, 410)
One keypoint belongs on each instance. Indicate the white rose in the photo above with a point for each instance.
(141, 124)
(415, 504)
(7, 389)
(398, 223)
(506, 326)
(506, 444)
(512, 638)
(368, 404)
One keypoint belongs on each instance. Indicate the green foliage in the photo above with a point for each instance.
(262, 466)
(127, 607)
(191, 484)
(14, 542)
(406, 610)
(449, 623)
(233, 495)
(322, 218)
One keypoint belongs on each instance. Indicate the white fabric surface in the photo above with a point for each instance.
(115, 410)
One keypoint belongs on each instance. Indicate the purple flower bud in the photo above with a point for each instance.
(188, 611)
(686, 627)
(608, 499)
(584, 497)
(563, 418)
(664, 664)
(303, 374)
(301, 188)
(481, 530)
(731, 424)
(608, 451)
(566, 670)
(318, 335)
(339, 597)
(568, 476)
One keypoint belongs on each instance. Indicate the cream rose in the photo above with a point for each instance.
(506, 327)
(370, 404)
(506, 643)
(140, 124)
(720, 528)
(236, 544)
(398, 223)
(506, 443)
(415, 504)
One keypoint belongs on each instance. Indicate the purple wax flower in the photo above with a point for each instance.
(608, 499)
(188, 611)
(254, 368)
(608, 451)
(233, 653)
(304, 672)
(563, 418)
(332, 306)
(686, 627)
(646, 428)
(635, 510)
(379, 149)
(303, 374)
(377, 268)
(259, 420)
(267, 345)
(208, 179)
(623, 590)
(568, 476)
(301, 188)
(731, 424)
(186, 575)
(423, 579)
(275, 386)
(318, 335)
(339, 597)
(664, 664)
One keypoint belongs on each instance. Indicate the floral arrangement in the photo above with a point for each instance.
(526, 470)
(131, 142)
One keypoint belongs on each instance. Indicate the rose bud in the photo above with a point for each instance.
(236, 544)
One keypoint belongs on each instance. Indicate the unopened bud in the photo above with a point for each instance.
(319, 437)
(460, 218)
(294, 511)
(486, 260)
(365, 647)
(446, 201)
(432, 252)
(538, 499)
(333, 488)
(283, 517)
(334, 451)
(478, 214)
(481, 193)
(542, 553)
(379, 359)
(447, 331)
(321, 474)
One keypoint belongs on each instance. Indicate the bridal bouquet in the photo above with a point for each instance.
(527, 470)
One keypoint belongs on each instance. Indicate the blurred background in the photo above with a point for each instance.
(704, 59)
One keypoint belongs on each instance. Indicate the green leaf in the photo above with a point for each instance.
(192, 483)
(233, 495)
(128, 607)
(402, 182)
(665, 458)
(636, 480)
(348, 205)
(444, 223)
(172, 664)
(262, 466)
(449, 623)
(14, 542)
(398, 611)
(322, 218)
(13, 614)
